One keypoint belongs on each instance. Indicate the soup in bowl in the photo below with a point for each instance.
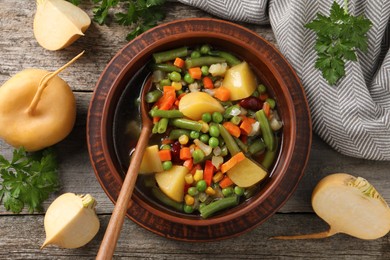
(231, 133)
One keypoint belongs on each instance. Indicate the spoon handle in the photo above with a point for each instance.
(107, 247)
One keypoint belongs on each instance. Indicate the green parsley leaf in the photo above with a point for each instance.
(339, 36)
(28, 179)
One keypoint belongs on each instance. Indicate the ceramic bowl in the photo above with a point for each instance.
(120, 82)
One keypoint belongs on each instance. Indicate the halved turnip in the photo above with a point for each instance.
(350, 205)
(58, 23)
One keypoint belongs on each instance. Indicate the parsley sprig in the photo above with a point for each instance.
(28, 179)
(140, 14)
(339, 36)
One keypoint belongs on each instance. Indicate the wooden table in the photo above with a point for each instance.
(22, 234)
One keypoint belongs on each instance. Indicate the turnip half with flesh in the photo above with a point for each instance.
(71, 221)
(58, 23)
(350, 205)
(37, 109)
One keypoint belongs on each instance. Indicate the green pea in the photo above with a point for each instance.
(205, 49)
(213, 142)
(227, 191)
(188, 79)
(167, 165)
(195, 54)
(206, 117)
(214, 131)
(188, 209)
(271, 102)
(204, 138)
(239, 191)
(262, 89)
(201, 185)
(194, 134)
(175, 76)
(205, 70)
(217, 117)
(198, 156)
(165, 82)
(193, 191)
(166, 147)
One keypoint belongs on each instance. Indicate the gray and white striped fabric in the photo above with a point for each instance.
(354, 116)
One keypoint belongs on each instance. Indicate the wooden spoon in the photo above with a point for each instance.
(107, 247)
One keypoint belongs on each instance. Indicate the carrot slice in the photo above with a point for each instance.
(246, 126)
(195, 73)
(179, 62)
(225, 182)
(208, 172)
(189, 164)
(208, 83)
(165, 155)
(266, 109)
(222, 93)
(238, 157)
(185, 153)
(232, 129)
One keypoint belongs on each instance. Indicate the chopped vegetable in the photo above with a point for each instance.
(233, 161)
(350, 205)
(195, 72)
(151, 162)
(58, 23)
(71, 221)
(194, 105)
(232, 129)
(165, 155)
(240, 80)
(222, 93)
(172, 182)
(246, 173)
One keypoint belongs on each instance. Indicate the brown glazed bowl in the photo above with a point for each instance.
(122, 79)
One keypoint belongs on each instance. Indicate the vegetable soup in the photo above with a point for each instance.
(216, 131)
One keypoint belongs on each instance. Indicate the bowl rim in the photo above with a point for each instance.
(106, 94)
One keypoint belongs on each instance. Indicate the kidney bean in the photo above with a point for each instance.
(251, 103)
(175, 149)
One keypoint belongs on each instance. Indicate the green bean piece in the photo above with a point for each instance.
(269, 158)
(218, 205)
(204, 60)
(170, 55)
(241, 144)
(158, 194)
(176, 133)
(268, 134)
(187, 124)
(162, 125)
(153, 96)
(257, 146)
(174, 113)
(154, 129)
(166, 67)
(236, 120)
(229, 140)
(230, 58)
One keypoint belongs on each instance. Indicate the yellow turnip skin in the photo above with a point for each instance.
(50, 122)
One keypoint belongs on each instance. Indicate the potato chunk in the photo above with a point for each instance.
(151, 162)
(194, 104)
(246, 173)
(172, 182)
(240, 80)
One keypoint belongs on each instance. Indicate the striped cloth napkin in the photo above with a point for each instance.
(353, 116)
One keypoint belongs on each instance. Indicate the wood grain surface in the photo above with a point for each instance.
(21, 235)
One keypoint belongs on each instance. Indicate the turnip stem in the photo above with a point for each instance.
(43, 84)
(319, 235)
